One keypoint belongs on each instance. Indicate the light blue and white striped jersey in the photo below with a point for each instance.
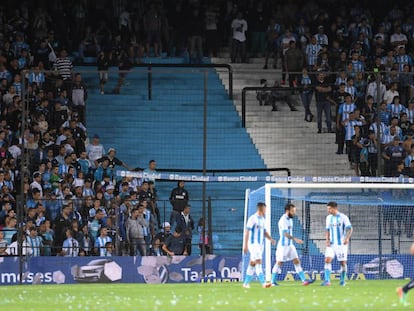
(34, 245)
(349, 128)
(311, 52)
(337, 226)
(410, 115)
(345, 109)
(351, 90)
(285, 225)
(256, 226)
(402, 60)
(322, 39)
(100, 244)
(408, 159)
(395, 110)
(71, 247)
(357, 66)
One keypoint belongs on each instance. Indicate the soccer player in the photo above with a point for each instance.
(254, 235)
(402, 291)
(338, 233)
(286, 250)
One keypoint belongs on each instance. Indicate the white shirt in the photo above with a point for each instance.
(239, 27)
(94, 152)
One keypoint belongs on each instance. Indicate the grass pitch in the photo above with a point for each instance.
(357, 295)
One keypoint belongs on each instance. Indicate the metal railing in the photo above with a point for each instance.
(151, 66)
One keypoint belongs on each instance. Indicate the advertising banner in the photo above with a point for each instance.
(182, 269)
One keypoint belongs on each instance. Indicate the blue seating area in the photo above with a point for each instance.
(169, 129)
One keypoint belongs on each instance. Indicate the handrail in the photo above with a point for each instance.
(155, 65)
(260, 88)
(214, 171)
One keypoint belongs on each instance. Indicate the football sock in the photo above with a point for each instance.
(409, 286)
(344, 269)
(249, 274)
(259, 273)
(328, 269)
(275, 271)
(299, 271)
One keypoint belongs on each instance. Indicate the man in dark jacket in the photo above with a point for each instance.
(178, 199)
(185, 221)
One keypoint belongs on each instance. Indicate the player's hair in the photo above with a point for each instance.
(261, 205)
(332, 204)
(288, 206)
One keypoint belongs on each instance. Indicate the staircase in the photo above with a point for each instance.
(282, 137)
(169, 129)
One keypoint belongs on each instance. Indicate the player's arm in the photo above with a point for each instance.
(291, 237)
(348, 230)
(327, 233)
(246, 240)
(268, 236)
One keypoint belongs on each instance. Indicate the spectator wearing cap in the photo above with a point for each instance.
(95, 151)
(113, 160)
(163, 234)
(109, 192)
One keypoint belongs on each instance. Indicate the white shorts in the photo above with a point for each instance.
(340, 251)
(256, 252)
(286, 253)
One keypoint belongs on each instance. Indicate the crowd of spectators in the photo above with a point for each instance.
(61, 179)
(358, 63)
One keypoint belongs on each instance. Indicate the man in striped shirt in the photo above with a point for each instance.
(70, 247)
(101, 241)
(34, 242)
(312, 52)
(64, 66)
(338, 232)
(286, 250)
(254, 234)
